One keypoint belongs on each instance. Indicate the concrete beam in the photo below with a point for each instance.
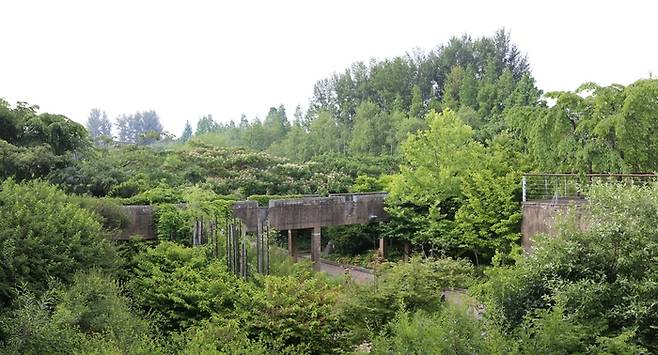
(306, 213)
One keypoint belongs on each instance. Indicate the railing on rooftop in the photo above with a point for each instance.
(566, 187)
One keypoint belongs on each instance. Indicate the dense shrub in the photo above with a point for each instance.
(182, 285)
(603, 277)
(264, 200)
(45, 236)
(417, 285)
(450, 330)
(295, 313)
(213, 337)
(173, 223)
(90, 316)
(110, 213)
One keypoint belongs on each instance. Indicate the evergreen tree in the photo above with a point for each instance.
(98, 124)
(187, 132)
(206, 124)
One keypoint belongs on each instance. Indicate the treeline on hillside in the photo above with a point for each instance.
(369, 109)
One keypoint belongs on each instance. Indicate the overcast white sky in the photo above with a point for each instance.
(188, 58)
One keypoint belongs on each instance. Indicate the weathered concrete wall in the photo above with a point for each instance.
(310, 212)
(140, 222)
(303, 213)
(539, 217)
(247, 212)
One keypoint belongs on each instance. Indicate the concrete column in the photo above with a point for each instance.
(382, 247)
(292, 244)
(316, 243)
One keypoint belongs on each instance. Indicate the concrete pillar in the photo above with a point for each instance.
(316, 243)
(292, 244)
(382, 247)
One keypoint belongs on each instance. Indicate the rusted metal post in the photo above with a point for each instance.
(316, 244)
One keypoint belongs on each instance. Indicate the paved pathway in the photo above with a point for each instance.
(359, 275)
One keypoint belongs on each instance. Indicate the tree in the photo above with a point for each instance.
(134, 128)
(206, 124)
(324, 134)
(469, 89)
(187, 132)
(372, 131)
(276, 125)
(98, 124)
(452, 88)
(425, 196)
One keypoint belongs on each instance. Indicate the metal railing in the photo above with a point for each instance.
(565, 187)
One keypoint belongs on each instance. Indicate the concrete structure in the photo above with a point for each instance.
(539, 217)
(313, 213)
(140, 223)
(290, 215)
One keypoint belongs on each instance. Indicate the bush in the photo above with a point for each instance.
(264, 200)
(215, 336)
(173, 224)
(294, 314)
(45, 236)
(451, 330)
(182, 286)
(603, 277)
(413, 286)
(91, 316)
(110, 213)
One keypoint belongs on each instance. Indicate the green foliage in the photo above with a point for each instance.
(159, 194)
(46, 236)
(264, 200)
(295, 313)
(142, 127)
(93, 305)
(173, 224)
(217, 337)
(351, 239)
(108, 211)
(490, 216)
(417, 285)
(32, 145)
(603, 277)
(451, 330)
(182, 285)
(594, 129)
(187, 133)
(364, 183)
(98, 125)
(90, 316)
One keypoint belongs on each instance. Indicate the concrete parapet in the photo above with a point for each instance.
(539, 217)
(140, 223)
